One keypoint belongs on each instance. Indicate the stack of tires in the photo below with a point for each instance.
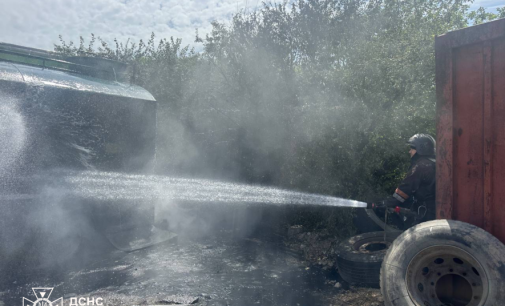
(441, 262)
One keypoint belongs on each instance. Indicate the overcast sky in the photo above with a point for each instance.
(37, 23)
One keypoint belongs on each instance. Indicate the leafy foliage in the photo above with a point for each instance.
(318, 95)
(481, 15)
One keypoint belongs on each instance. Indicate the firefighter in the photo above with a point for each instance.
(417, 190)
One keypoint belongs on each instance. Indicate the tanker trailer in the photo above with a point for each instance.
(61, 116)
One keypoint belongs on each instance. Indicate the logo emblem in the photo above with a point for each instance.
(43, 295)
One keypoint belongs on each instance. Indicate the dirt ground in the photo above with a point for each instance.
(233, 264)
(219, 270)
(319, 248)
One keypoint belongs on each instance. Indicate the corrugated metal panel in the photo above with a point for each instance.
(471, 126)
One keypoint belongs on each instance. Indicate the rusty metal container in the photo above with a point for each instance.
(470, 79)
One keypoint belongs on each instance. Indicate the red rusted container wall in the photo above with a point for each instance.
(471, 126)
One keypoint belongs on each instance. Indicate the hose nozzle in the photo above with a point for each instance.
(374, 205)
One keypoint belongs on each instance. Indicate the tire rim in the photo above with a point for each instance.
(372, 245)
(446, 276)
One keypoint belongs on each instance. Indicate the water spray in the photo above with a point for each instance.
(119, 186)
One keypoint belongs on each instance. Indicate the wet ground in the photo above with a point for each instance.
(229, 255)
(220, 270)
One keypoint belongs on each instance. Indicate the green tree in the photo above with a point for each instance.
(481, 15)
(316, 95)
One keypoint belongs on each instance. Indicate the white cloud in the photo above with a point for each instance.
(37, 23)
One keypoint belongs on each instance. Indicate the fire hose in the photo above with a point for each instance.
(400, 211)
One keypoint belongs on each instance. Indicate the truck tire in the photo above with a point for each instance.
(444, 262)
(359, 258)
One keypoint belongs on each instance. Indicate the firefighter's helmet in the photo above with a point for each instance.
(424, 144)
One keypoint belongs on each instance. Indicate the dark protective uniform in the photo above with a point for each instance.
(417, 191)
(418, 187)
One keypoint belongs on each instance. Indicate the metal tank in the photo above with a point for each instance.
(78, 116)
(61, 116)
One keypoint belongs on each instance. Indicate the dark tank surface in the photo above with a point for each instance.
(52, 120)
(79, 122)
